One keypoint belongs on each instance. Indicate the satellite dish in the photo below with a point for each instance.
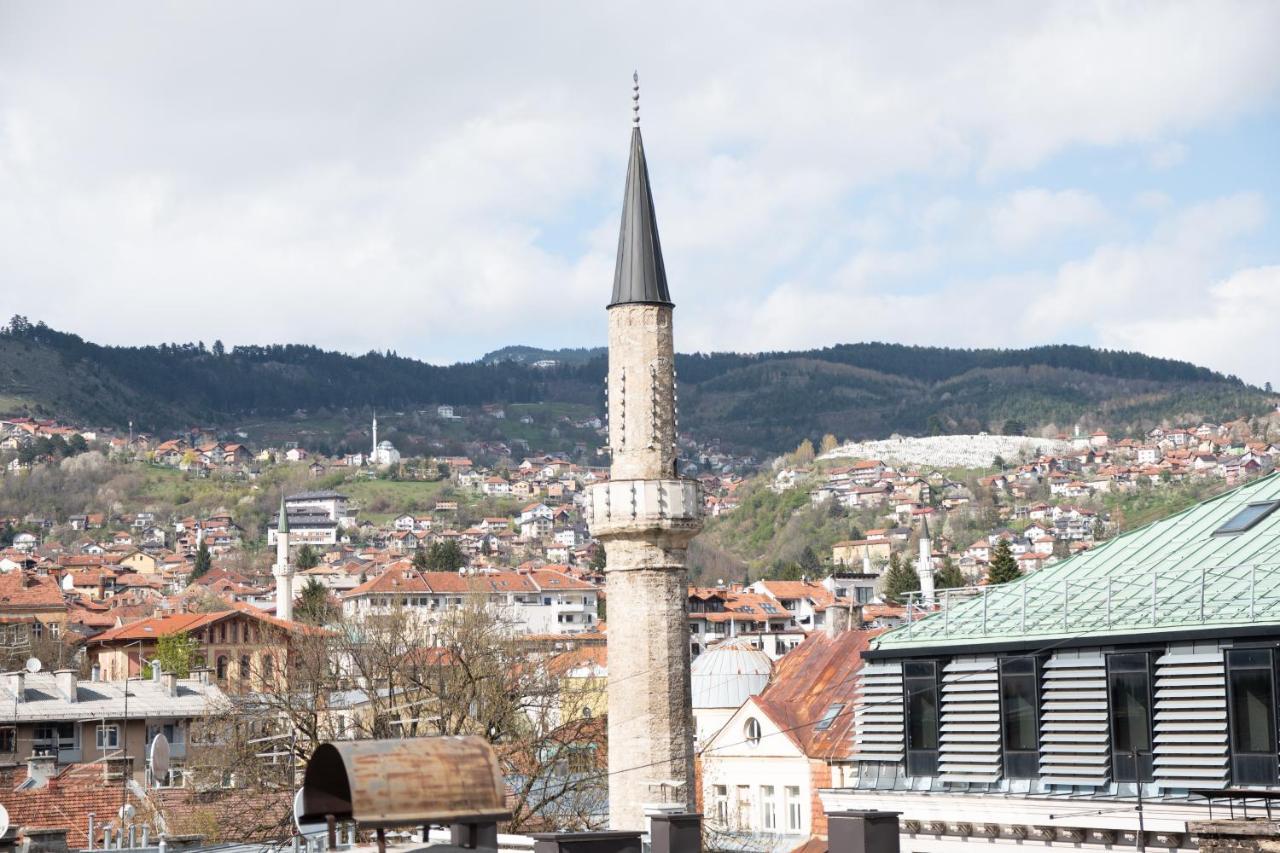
(159, 756)
(33, 665)
(310, 827)
(4, 821)
(127, 811)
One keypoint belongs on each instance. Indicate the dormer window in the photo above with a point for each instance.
(1246, 518)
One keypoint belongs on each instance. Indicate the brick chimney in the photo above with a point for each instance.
(116, 767)
(42, 768)
(169, 684)
(66, 681)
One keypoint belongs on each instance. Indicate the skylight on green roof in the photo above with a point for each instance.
(1246, 518)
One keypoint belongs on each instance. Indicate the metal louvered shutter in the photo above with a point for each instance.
(1074, 733)
(878, 714)
(970, 721)
(1191, 717)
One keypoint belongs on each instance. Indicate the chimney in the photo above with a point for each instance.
(42, 768)
(116, 767)
(862, 832)
(66, 681)
(169, 683)
(16, 682)
(201, 673)
(837, 618)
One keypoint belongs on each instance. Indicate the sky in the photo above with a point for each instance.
(442, 180)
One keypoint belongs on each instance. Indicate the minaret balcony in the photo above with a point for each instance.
(623, 505)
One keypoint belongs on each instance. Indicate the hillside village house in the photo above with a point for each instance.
(32, 608)
(1037, 713)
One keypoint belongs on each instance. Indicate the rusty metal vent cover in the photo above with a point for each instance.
(382, 784)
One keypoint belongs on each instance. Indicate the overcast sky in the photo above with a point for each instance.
(443, 180)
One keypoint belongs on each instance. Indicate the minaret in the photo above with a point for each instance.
(866, 559)
(924, 565)
(282, 570)
(373, 454)
(645, 516)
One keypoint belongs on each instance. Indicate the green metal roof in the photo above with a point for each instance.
(1171, 575)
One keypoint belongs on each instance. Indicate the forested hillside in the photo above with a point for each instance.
(763, 403)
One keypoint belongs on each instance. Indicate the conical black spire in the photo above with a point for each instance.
(640, 275)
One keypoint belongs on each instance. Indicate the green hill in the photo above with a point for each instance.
(760, 403)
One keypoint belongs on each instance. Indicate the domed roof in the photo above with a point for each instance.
(726, 675)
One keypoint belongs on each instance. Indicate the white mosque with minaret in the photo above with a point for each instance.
(382, 454)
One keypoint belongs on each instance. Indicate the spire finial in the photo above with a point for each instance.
(635, 98)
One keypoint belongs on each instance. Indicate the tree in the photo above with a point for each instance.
(598, 559)
(809, 561)
(998, 463)
(829, 443)
(204, 562)
(899, 579)
(948, 577)
(1004, 567)
(804, 453)
(313, 605)
(307, 558)
(175, 653)
(445, 557)
(1014, 427)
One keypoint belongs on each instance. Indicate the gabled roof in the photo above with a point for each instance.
(1108, 590)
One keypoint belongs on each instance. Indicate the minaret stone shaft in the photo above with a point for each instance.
(283, 570)
(645, 516)
(924, 565)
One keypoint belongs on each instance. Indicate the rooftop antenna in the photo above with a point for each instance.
(635, 98)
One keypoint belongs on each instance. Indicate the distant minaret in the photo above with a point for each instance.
(645, 516)
(866, 559)
(282, 570)
(373, 454)
(924, 564)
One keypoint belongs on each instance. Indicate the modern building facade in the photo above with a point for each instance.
(1089, 700)
(645, 516)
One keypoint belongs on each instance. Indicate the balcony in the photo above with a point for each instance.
(622, 505)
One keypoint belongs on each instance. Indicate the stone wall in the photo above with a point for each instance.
(642, 422)
(1258, 835)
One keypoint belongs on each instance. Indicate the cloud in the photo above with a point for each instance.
(442, 180)
(1231, 326)
(1031, 215)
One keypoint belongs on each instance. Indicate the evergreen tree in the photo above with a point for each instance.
(445, 557)
(307, 558)
(1004, 567)
(313, 606)
(204, 562)
(809, 561)
(899, 579)
(420, 559)
(948, 577)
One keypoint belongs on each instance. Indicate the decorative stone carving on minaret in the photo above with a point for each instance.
(645, 516)
(283, 570)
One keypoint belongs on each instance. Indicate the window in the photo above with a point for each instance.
(920, 686)
(245, 668)
(268, 668)
(1246, 518)
(742, 803)
(1019, 717)
(1129, 693)
(794, 807)
(752, 731)
(720, 804)
(1251, 703)
(768, 808)
(108, 737)
(221, 668)
(8, 739)
(829, 717)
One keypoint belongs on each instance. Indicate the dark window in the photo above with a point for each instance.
(1246, 518)
(1020, 717)
(920, 686)
(1129, 691)
(1251, 698)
